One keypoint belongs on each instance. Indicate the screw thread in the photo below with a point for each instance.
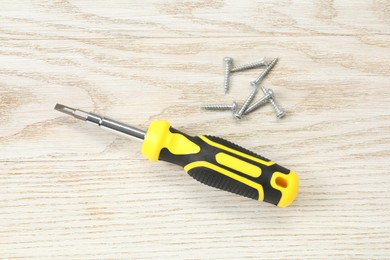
(265, 71)
(252, 65)
(228, 65)
(259, 103)
(279, 112)
(246, 103)
(217, 107)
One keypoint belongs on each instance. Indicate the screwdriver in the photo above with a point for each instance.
(208, 159)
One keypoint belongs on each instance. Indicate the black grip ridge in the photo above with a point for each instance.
(217, 180)
(228, 166)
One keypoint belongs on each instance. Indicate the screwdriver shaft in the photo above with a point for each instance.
(106, 123)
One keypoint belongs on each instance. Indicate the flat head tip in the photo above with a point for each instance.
(59, 107)
(64, 109)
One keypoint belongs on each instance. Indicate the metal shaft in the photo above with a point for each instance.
(253, 65)
(265, 72)
(228, 63)
(279, 112)
(268, 95)
(231, 107)
(247, 102)
(109, 124)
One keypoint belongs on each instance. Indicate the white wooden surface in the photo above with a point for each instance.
(71, 191)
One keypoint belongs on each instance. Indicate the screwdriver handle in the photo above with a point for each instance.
(222, 164)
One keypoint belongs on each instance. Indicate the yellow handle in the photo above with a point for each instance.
(222, 164)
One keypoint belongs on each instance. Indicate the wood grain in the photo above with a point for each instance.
(71, 191)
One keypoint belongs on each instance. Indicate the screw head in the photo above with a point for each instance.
(228, 60)
(280, 114)
(237, 115)
(269, 93)
(234, 106)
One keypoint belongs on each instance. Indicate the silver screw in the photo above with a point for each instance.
(279, 112)
(265, 71)
(238, 114)
(228, 66)
(268, 95)
(252, 65)
(231, 107)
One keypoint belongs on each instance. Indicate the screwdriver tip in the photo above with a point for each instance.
(58, 106)
(80, 114)
(64, 109)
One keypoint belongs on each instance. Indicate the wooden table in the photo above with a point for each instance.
(69, 190)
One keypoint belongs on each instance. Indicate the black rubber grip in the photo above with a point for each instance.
(226, 174)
